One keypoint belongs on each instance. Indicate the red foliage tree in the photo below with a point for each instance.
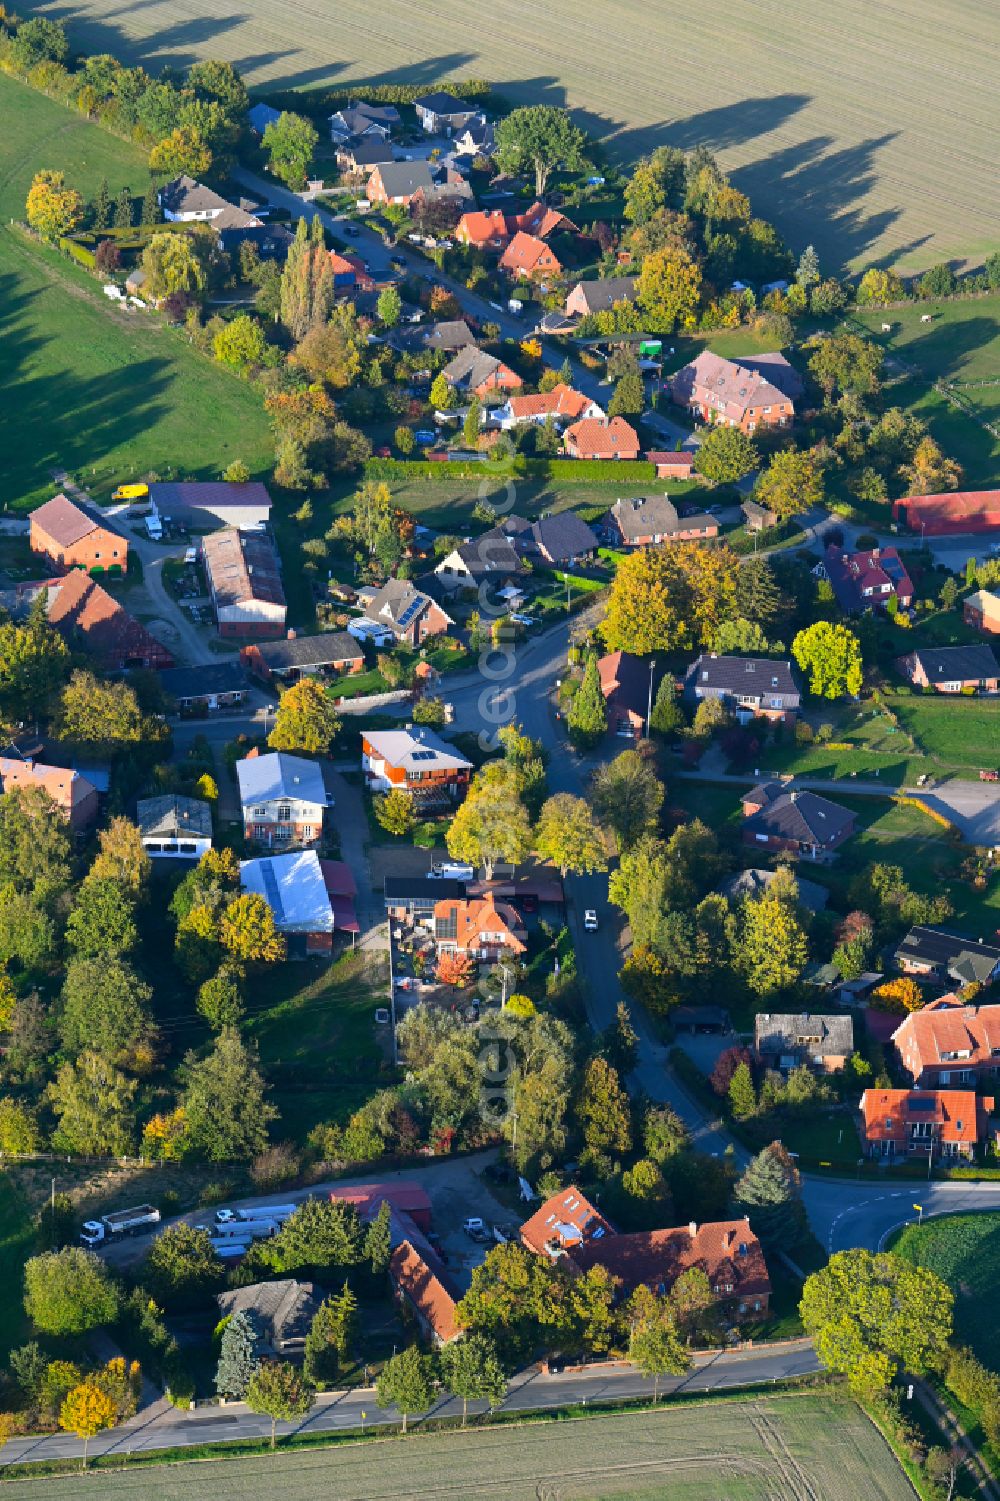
(725, 1067)
(455, 969)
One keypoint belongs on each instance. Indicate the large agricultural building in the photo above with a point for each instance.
(951, 513)
(244, 580)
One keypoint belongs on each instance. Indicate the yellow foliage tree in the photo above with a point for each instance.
(247, 930)
(87, 1411)
(183, 150)
(51, 207)
(670, 598)
(900, 995)
(669, 288)
(164, 1137)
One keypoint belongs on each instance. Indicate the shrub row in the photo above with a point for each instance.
(328, 101)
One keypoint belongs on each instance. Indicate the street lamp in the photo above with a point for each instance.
(649, 702)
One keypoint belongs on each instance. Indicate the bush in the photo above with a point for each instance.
(78, 252)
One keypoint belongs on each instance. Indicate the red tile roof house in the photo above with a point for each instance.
(68, 536)
(562, 404)
(901, 1123)
(592, 438)
(982, 611)
(647, 520)
(625, 684)
(950, 513)
(731, 392)
(72, 794)
(478, 373)
(866, 580)
(414, 760)
(947, 1046)
(802, 824)
(479, 929)
(527, 256)
(672, 465)
(411, 615)
(753, 687)
(419, 1280)
(567, 1227)
(88, 617)
(952, 669)
(483, 229)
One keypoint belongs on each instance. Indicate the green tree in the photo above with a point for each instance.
(471, 1369)
(807, 273)
(290, 142)
(37, 41)
(664, 1133)
(773, 949)
(726, 454)
(406, 1382)
(846, 365)
(34, 662)
(669, 288)
(473, 422)
(519, 1299)
(378, 1240)
(124, 209)
(872, 1315)
(389, 307)
(394, 811)
(791, 483)
(628, 796)
(306, 720)
(34, 843)
(172, 265)
(101, 922)
(541, 138)
(181, 1266)
(758, 596)
(307, 297)
(220, 998)
(654, 1345)
(93, 1102)
(19, 1133)
(238, 1361)
(769, 1193)
(104, 1007)
(492, 824)
(240, 343)
(667, 716)
(569, 836)
(629, 396)
(742, 1095)
(278, 1389)
(330, 1336)
(742, 638)
(69, 1292)
(603, 1109)
(831, 655)
(695, 1306)
(183, 150)
(226, 1102)
(587, 716)
(321, 1234)
(94, 713)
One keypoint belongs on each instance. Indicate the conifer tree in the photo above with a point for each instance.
(770, 1193)
(588, 714)
(667, 716)
(742, 1095)
(237, 1357)
(378, 1242)
(102, 206)
(150, 206)
(123, 209)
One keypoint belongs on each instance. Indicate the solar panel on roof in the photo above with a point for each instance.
(408, 614)
(915, 1103)
(271, 890)
(424, 755)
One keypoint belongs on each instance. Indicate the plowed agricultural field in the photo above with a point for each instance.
(870, 129)
(798, 1448)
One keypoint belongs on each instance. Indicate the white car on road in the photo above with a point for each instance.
(590, 920)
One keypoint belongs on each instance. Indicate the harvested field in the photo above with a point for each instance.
(801, 1448)
(869, 130)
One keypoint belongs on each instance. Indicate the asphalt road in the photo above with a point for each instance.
(162, 1427)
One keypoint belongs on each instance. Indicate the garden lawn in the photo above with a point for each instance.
(105, 394)
(314, 1023)
(964, 1250)
(893, 834)
(960, 732)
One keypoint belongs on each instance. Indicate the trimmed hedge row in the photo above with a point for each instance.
(551, 471)
(327, 101)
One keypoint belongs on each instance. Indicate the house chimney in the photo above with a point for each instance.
(693, 1229)
(290, 634)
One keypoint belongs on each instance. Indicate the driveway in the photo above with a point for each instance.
(974, 807)
(189, 647)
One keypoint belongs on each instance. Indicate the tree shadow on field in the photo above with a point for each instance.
(423, 74)
(170, 46)
(939, 351)
(73, 421)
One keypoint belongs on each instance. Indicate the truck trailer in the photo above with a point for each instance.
(119, 1224)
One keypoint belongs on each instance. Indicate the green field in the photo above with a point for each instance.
(17, 1243)
(964, 1250)
(962, 732)
(85, 387)
(960, 347)
(788, 1447)
(872, 134)
(314, 1023)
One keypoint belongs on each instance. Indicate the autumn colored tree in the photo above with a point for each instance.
(440, 396)
(929, 472)
(772, 950)
(492, 823)
(670, 598)
(669, 289)
(394, 811)
(569, 836)
(307, 291)
(455, 969)
(247, 930)
(306, 720)
(831, 655)
(240, 343)
(901, 995)
(171, 266)
(791, 483)
(328, 352)
(51, 207)
(726, 454)
(877, 287)
(604, 1111)
(86, 1412)
(121, 857)
(182, 151)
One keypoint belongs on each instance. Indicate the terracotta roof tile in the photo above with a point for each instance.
(567, 1219)
(594, 438)
(726, 1250)
(421, 1284)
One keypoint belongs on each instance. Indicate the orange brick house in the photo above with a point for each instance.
(901, 1123)
(592, 438)
(71, 538)
(982, 611)
(480, 929)
(735, 393)
(417, 761)
(527, 255)
(75, 797)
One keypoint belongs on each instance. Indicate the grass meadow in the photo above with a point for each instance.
(84, 387)
(872, 134)
(799, 1445)
(964, 1250)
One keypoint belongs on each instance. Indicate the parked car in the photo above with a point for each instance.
(590, 920)
(351, 231)
(424, 438)
(397, 262)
